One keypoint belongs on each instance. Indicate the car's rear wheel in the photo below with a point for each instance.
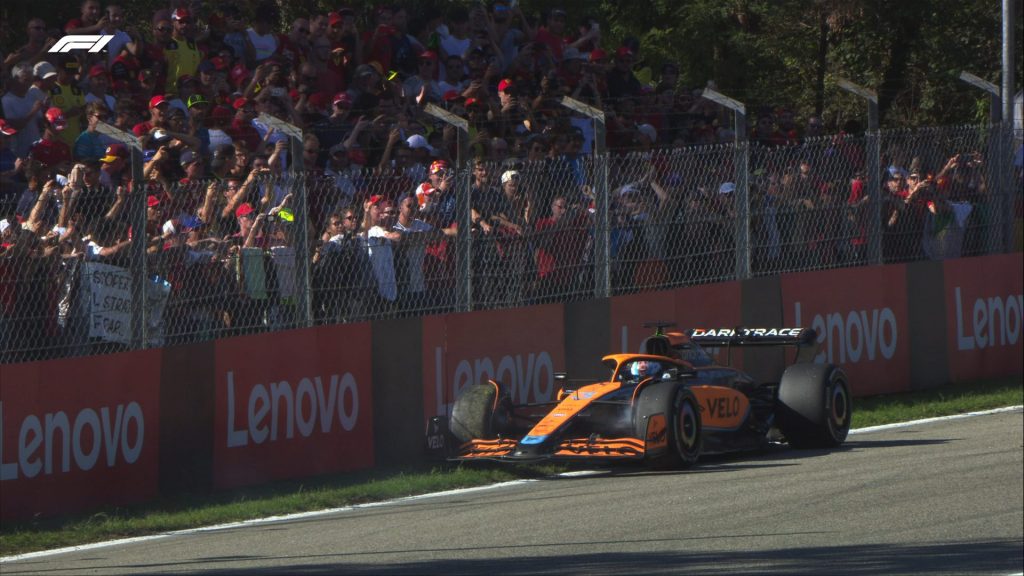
(814, 406)
(480, 412)
(671, 409)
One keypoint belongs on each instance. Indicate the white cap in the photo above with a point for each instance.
(44, 70)
(417, 141)
(649, 131)
(726, 188)
(4, 225)
(508, 175)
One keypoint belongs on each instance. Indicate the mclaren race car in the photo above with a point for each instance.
(664, 406)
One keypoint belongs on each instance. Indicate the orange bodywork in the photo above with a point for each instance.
(570, 405)
(721, 408)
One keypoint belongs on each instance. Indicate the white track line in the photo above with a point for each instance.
(317, 513)
(936, 419)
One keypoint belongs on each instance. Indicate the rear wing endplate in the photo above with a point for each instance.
(723, 337)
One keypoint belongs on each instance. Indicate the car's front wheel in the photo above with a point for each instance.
(667, 418)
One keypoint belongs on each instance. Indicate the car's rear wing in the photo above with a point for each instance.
(725, 337)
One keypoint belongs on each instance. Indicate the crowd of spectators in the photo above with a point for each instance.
(380, 174)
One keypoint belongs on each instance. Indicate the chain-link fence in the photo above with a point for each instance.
(225, 256)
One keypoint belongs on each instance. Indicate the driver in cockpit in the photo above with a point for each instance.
(643, 368)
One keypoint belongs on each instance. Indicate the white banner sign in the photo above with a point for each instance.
(107, 293)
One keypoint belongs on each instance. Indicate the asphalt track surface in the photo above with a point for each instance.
(942, 497)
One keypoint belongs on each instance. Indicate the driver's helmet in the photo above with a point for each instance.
(651, 367)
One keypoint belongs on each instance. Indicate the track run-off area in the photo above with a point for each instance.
(936, 496)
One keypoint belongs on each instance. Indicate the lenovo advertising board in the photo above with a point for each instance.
(860, 315)
(293, 404)
(521, 348)
(983, 312)
(79, 434)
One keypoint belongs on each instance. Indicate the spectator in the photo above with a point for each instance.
(50, 150)
(121, 39)
(90, 21)
(341, 270)
(98, 84)
(621, 80)
(415, 236)
(115, 170)
(158, 107)
(379, 241)
(560, 240)
(91, 145)
(36, 48)
(23, 105)
(261, 41)
(181, 52)
(552, 34)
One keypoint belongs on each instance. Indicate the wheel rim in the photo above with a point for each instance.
(689, 429)
(839, 420)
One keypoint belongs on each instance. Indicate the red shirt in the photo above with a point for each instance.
(244, 131)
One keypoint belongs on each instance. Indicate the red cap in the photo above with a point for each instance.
(623, 51)
(5, 129)
(114, 152)
(343, 98)
(318, 100)
(374, 199)
(334, 18)
(597, 54)
(221, 113)
(181, 14)
(97, 70)
(152, 201)
(157, 101)
(219, 63)
(473, 102)
(55, 116)
(239, 103)
(504, 85)
(244, 210)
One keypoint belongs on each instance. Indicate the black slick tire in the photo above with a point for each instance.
(814, 406)
(681, 411)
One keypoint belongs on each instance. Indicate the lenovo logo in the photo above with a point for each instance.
(92, 43)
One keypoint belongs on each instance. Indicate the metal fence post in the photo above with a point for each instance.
(741, 175)
(602, 224)
(996, 163)
(463, 239)
(874, 170)
(136, 209)
(300, 201)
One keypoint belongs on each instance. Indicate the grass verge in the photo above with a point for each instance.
(191, 511)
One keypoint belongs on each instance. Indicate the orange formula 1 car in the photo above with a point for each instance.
(664, 406)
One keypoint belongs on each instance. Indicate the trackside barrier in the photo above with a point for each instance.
(81, 434)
